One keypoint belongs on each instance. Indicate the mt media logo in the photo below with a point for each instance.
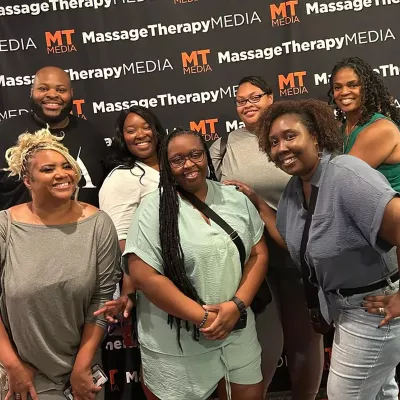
(196, 62)
(206, 127)
(60, 41)
(284, 13)
(292, 84)
(77, 108)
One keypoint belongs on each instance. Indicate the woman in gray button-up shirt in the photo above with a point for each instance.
(355, 225)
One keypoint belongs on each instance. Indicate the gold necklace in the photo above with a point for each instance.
(348, 133)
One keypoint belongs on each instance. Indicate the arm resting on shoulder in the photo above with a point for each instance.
(162, 292)
(267, 214)
(254, 273)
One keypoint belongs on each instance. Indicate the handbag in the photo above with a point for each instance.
(318, 322)
(3, 373)
(263, 296)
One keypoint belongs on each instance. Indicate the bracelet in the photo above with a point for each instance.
(204, 320)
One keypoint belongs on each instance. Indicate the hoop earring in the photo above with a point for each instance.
(208, 171)
(319, 153)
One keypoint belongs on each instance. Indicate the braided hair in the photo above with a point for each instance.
(375, 95)
(171, 249)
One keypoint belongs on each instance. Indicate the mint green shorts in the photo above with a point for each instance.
(196, 377)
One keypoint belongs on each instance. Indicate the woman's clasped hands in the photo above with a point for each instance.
(220, 321)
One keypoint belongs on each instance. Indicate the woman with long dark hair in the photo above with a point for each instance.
(368, 115)
(134, 160)
(135, 171)
(195, 327)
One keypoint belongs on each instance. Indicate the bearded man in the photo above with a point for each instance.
(51, 102)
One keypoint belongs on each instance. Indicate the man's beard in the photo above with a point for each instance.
(38, 110)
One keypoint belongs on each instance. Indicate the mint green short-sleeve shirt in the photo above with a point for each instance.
(212, 261)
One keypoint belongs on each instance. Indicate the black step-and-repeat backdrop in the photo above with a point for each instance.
(183, 58)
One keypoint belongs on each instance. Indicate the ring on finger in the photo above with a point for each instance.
(381, 310)
(17, 396)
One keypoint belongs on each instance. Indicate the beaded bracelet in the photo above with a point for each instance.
(204, 320)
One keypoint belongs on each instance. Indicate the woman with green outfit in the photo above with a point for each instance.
(195, 327)
(369, 116)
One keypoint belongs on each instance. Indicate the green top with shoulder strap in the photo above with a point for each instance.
(390, 171)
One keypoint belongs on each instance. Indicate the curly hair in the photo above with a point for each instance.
(317, 116)
(171, 250)
(375, 96)
(18, 157)
(120, 154)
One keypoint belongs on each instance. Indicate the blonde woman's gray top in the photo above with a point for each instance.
(55, 277)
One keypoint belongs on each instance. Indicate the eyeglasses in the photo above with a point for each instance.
(252, 99)
(195, 156)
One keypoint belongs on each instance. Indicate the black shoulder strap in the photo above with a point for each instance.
(311, 291)
(208, 212)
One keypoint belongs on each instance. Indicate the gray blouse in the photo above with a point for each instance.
(344, 249)
(55, 278)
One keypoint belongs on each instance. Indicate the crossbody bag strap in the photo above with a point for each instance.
(209, 213)
(311, 291)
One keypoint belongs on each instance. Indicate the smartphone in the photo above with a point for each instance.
(99, 379)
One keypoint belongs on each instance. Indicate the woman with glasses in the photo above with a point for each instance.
(196, 330)
(285, 322)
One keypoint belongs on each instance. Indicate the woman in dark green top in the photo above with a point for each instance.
(369, 116)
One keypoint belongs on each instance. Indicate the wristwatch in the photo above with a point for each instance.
(240, 305)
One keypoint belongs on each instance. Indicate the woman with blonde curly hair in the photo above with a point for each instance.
(59, 259)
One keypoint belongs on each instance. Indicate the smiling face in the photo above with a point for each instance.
(51, 95)
(347, 90)
(250, 112)
(192, 174)
(50, 176)
(293, 148)
(139, 138)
